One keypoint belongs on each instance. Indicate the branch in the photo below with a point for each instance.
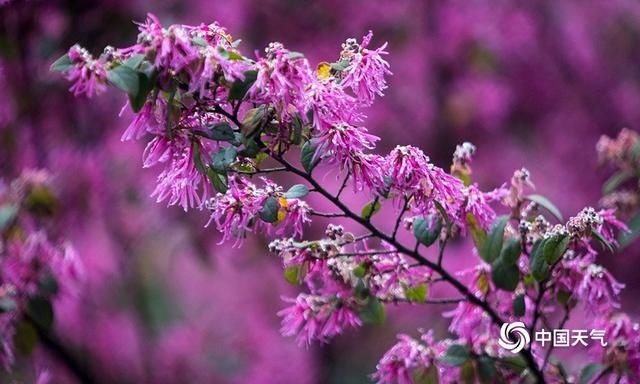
(427, 301)
(547, 355)
(63, 354)
(526, 353)
(399, 220)
(344, 184)
(368, 253)
(327, 214)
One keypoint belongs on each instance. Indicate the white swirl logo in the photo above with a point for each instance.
(514, 331)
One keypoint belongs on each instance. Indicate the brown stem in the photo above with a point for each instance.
(366, 223)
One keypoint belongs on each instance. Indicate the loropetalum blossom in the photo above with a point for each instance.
(35, 265)
(218, 119)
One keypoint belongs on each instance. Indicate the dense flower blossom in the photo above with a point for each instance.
(180, 182)
(410, 171)
(317, 318)
(367, 69)
(477, 205)
(341, 140)
(217, 118)
(234, 211)
(471, 324)
(33, 263)
(87, 74)
(620, 151)
(599, 290)
(620, 347)
(282, 80)
(331, 105)
(296, 214)
(408, 360)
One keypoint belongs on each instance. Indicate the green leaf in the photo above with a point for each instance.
(269, 211)
(294, 55)
(25, 338)
(486, 369)
(515, 363)
(291, 274)
(197, 159)
(510, 254)
(7, 304)
(223, 158)
(477, 233)
(231, 55)
(308, 156)
(546, 204)
(251, 148)
(373, 311)
(426, 376)
(492, 247)
(598, 236)
(360, 271)
(423, 232)
(41, 311)
(615, 181)
(416, 294)
(134, 61)
(456, 355)
(626, 238)
(443, 213)
(139, 98)
(539, 266)
(48, 286)
(239, 88)
(297, 191)
(588, 372)
(371, 209)
(63, 64)
(124, 78)
(554, 248)
(220, 132)
(467, 373)
(340, 65)
(505, 275)
(518, 306)
(252, 120)
(8, 213)
(218, 180)
(199, 41)
(296, 129)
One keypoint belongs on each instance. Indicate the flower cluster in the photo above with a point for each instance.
(218, 120)
(34, 265)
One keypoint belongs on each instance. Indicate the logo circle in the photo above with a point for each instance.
(514, 336)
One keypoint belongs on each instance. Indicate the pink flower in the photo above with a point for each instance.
(366, 170)
(611, 225)
(622, 349)
(148, 120)
(297, 213)
(471, 324)
(313, 317)
(366, 71)
(407, 361)
(340, 140)
(283, 78)
(88, 75)
(599, 290)
(234, 212)
(476, 203)
(411, 172)
(330, 105)
(180, 183)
